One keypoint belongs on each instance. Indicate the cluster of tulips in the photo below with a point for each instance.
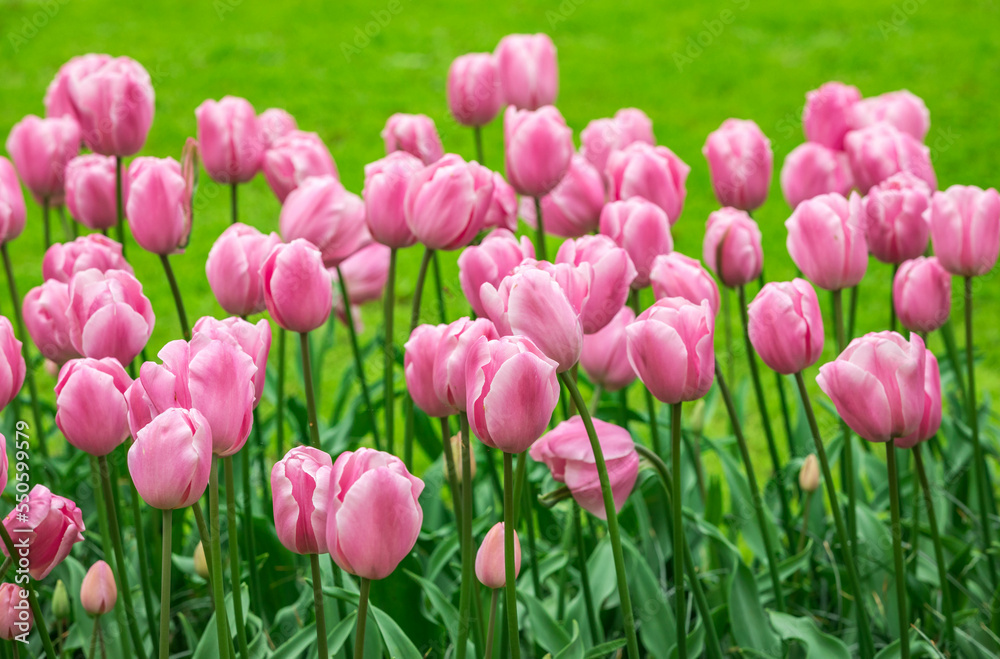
(536, 329)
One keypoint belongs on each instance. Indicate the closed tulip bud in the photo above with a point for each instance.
(90, 191)
(293, 158)
(892, 215)
(229, 139)
(45, 318)
(98, 592)
(965, 229)
(573, 208)
(491, 566)
(40, 149)
(171, 459)
(374, 514)
(446, 202)
(603, 136)
(297, 290)
(16, 618)
(827, 242)
(642, 229)
(386, 181)
(651, 172)
(474, 93)
(509, 374)
(415, 134)
(53, 525)
(503, 208)
(324, 213)
(91, 410)
(825, 114)
(732, 247)
(809, 474)
(366, 272)
(12, 210)
(233, 268)
(274, 123)
(300, 487)
(57, 97)
(158, 205)
(455, 446)
(605, 357)
(678, 275)
(12, 366)
(880, 150)
(61, 607)
(786, 326)
(200, 562)
(921, 294)
(108, 315)
(114, 105)
(740, 162)
(670, 347)
(253, 338)
(902, 109)
(418, 367)
(811, 170)
(877, 385)
(538, 147)
(613, 274)
(489, 262)
(529, 73)
(930, 422)
(567, 452)
(93, 251)
(452, 353)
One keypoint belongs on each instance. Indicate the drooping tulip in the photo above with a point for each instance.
(812, 169)
(679, 275)
(91, 410)
(651, 172)
(158, 205)
(640, 227)
(529, 73)
(108, 315)
(741, 162)
(573, 208)
(490, 559)
(451, 356)
(827, 242)
(57, 96)
(386, 181)
(321, 211)
(297, 289)
(171, 459)
(605, 357)
(538, 147)
(825, 114)
(881, 150)
(603, 136)
(474, 92)
(732, 247)
(12, 366)
(613, 274)
(786, 326)
(40, 149)
(49, 529)
(16, 618)
(114, 106)
(418, 368)
(12, 210)
(903, 109)
(300, 488)
(921, 294)
(414, 133)
(98, 592)
(490, 261)
(892, 214)
(90, 191)
(274, 124)
(930, 422)
(293, 158)
(965, 229)
(44, 310)
(229, 139)
(253, 338)
(446, 202)
(233, 268)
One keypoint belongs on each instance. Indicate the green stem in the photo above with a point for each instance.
(529, 523)
(493, 619)
(853, 312)
(450, 471)
(727, 334)
(120, 203)
(36, 610)
(510, 587)
(588, 597)
(595, 399)
(310, 397)
(779, 384)
(68, 228)
(539, 231)
(847, 465)
(280, 411)
(178, 302)
(948, 335)
(233, 198)
(949, 617)
(439, 288)
(477, 132)
(892, 304)
(142, 550)
(235, 574)
(46, 227)
(468, 560)
(317, 579)
(221, 618)
(165, 586)
(675, 460)
(897, 550)
(414, 321)
(248, 494)
(807, 500)
(359, 366)
(389, 354)
(359, 637)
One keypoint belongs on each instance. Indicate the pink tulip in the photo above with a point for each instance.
(811, 169)
(158, 205)
(603, 136)
(374, 514)
(4, 463)
(538, 147)
(921, 294)
(415, 134)
(90, 191)
(826, 112)
(502, 209)
(230, 142)
(418, 367)
(474, 93)
(48, 525)
(491, 566)
(880, 150)
(297, 290)
(114, 105)
(57, 97)
(651, 172)
(324, 213)
(12, 366)
(293, 158)
(965, 229)
(529, 73)
(16, 618)
(233, 268)
(93, 251)
(670, 348)
(604, 357)
(490, 261)
(40, 149)
(573, 208)
(253, 338)
(90, 401)
(12, 210)
(46, 320)
(451, 356)
(827, 242)
(786, 326)
(678, 275)
(98, 592)
(732, 247)
(385, 190)
(902, 109)
(300, 486)
(892, 215)
(366, 272)
(567, 452)
(877, 385)
(930, 422)
(446, 202)
(507, 374)
(640, 227)
(740, 162)
(274, 124)
(108, 315)
(613, 274)
(171, 459)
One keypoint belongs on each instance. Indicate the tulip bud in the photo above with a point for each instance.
(98, 592)
(677, 275)
(491, 568)
(965, 229)
(12, 366)
(529, 73)
(418, 368)
(274, 124)
(827, 242)
(642, 229)
(811, 170)
(386, 181)
(61, 608)
(490, 261)
(297, 290)
(613, 274)
(654, 173)
(605, 358)
(825, 114)
(538, 147)
(16, 618)
(921, 294)
(809, 474)
(904, 110)
(63, 260)
(474, 92)
(414, 133)
(91, 408)
(740, 162)
(57, 96)
(200, 563)
(12, 210)
(446, 202)
(892, 215)
(158, 205)
(455, 446)
(40, 149)
(49, 532)
(732, 248)
(293, 158)
(300, 486)
(114, 105)
(573, 208)
(229, 139)
(931, 420)
(45, 318)
(171, 459)
(880, 150)
(233, 268)
(601, 137)
(785, 325)
(90, 191)
(108, 315)
(321, 211)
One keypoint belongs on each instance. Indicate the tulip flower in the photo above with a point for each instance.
(651, 172)
(297, 289)
(12, 210)
(16, 618)
(12, 366)
(451, 356)
(253, 338)
(474, 93)
(827, 242)
(809, 474)
(490, 559)
(503, 208)
(786, 326)
(732, 248)
(386, 181)
(91, 410)
(825, 114)
(49, 525)
(921, 294)
(446, 202)
(418, 367)
(233, 268)
(171, 458)
(677, 275)
(98, 592)
(603, 136)
(230, 143)
(57, 97)
(90, 191)
(415, 134)
(604, 357)
(740, 162)
(965, 229)
(489, 262)
(613, 274)
(40, 149)
(114, 106)
(812, 169)
(321, 211)
(538, 149)
(904, 110)
(529, 73)
(930, 422)
(93, 251)
(45, 317)
(300, 487)
(108, 315)
(4, 463)
(880, 150)
(293, 158)
(892, 215)
(274, 123)
(643, 229)
(158, 205)
(573, 208)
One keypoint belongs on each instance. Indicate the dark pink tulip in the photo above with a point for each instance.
(108, 315)
(16, 618)
(12, 210)
(114, 105)
(385, 190)
(732, 247)
(491, 566)
(826, 112)
(490, 261)
(474, 93)
(502, 209)
(881, 150)
(12, 366)
(538, 147)
(91, 410)
(452, 353)
(679, 275)
(670, 349)
(300, 487)
(40, 149)
(811, 169)
(965, 229)
(931, 420)
(827, 242)
(93, 251)
(297, 290)
(605, 358)
(613, 274)
(529, 73)
(98, 592)
(321, 211)
(274, 124)
(293, 158)
(253, 338)
(171, 459)
(415, 134)
(651, 172)
(57, 97)
(229, 139)
(446, 202)
(48, 525)
(566, 451)
(573, 208)
(418, 367)
(740, 162)
(921, 294)
(640, 227)
(877, 385)
(233, 268)
(892, 214)
(902, 109)
(90, 191)
(158, 205)
(603, 136)
(45, 317)
(509, 374)
(366, 272)
(786, 326)
(374, 514)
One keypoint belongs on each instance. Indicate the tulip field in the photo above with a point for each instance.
(575, 330)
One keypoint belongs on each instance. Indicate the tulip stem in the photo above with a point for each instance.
(852, 310)
(165, 586)
(436, 267)
(248, 493)
(595, 399)
(233, 197)
(588, 597)
(510, 586)
(178, 302)
(864, 628)
(451, 473)
(317, 579)
(847, 465)
(36, 610)
(727, 334)
(106, 546)
(539, 230)
(948, 335)
(949, 618)
(119, 203)
(477, 133)
(675, 461)
(806, 503)
(308, 383)
(359, 366)
(359, 636)
(465, 597)
(389, 354)
(280, 411)
(897, 550)
(492, 625)
(140, 548)
(221, 619)
(418, 293)
(612, 515)
(235, 574)
(892, 303)
(46, 227)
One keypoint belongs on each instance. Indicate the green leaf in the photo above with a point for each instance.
(548, 633)
(208, 647)
(604, 649)
(818, 645)
(746, 615)
(654, 616)
(441, 604)
(399, 644)
(574, 649)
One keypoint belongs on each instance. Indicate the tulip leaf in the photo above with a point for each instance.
(746, 615)
(918, 648)
(441, 604)
(209, 644)
(605, 649)
(398, 643)
(818, 645)
(654, 616)
(548, 633)
(573, 649)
